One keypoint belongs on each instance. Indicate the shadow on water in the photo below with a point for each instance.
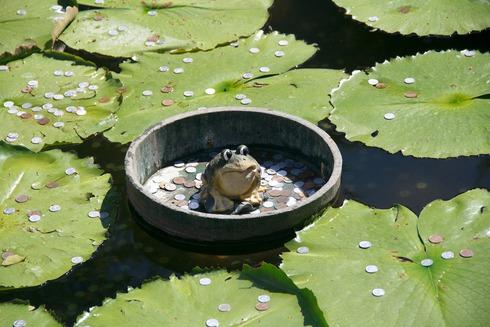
(370, 175)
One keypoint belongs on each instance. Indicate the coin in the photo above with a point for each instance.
(52, 184)
(274, 193)
(189, 184)
(21, 198)
(262, 306)
(178, 180)
(435, 239)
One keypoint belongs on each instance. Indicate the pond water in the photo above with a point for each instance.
(133, 253)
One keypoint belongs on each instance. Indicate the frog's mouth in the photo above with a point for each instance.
(236, 182)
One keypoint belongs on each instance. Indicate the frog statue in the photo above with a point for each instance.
(231, 183)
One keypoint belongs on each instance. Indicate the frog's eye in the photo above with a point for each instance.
(227, 154)
(242, 149)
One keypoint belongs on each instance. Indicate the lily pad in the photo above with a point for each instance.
(251, 72)
(422, 17)
(46, 203)
(208, 299)
(134, 26)
(389, 270)
(430, 105)
(14, 313)
(44, 103)
(26, 24)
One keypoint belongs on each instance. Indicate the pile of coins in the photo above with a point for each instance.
(286, 178)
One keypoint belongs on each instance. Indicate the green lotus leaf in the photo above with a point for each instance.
(216, 77)
(229, 298)
(430, 105)
(45, 202)
(17, 312)
(25, 25)
(422, 17)
(46, 121)
(327, 258)
(132, 27)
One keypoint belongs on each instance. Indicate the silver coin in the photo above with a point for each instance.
(190, 170)
(299, 184)
(152, 13)
(193, 205)
(365, 244)
(246, 101)
(188, 93)
(150, 44)
(264, 69)
(371, 269)
(187, 60)
(264, 298)
(427, 262)
(268, 204)
(178, 70)
(58, 124)
(318, 181)
(34, 218)
(373, 19)
(55, 208)
(163, 69)
(112, 32)
(33, 83)
(4, 68)
(179, 197)
(9, 211)
(247, 75)
(8, 104)
(378, 292)
(19, 323)
(389, 116)
(179, 164)
(70, 171)
(76, 260)
(81, 111)
(409, 80)
(26, 105)
(212, 322)
(205, 281)
(283, 42)
(447, 255)
(210, 91)
(83, 84)
(21, 12)
(122, 28)
(279, 54)
(93, 87)
(240, 96)
(58, 96)
(36, 140)
(224, 307)
(147, 93)
(303, 250)
(282, 173)
(291, 202)
(373, 81)
(94, 214)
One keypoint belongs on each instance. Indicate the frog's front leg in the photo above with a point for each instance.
(256, 197)
(214, 202)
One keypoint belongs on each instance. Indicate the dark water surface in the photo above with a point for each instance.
(370, 175)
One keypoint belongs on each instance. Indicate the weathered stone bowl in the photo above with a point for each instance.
(171, 139)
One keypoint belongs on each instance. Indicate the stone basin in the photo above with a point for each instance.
(196, 131)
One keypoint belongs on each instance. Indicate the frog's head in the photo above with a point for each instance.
(233, 173)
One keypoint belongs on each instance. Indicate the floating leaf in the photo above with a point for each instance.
(193, 300)
(44, 102)
(134, 26)
(422, 17)
(26, 24)
(431, 105)
(327, 258)
(12, 312)
(157, 90)
(61, 24)
(45, 202)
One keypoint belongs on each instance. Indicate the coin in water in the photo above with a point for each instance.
(280, 205)
(268, 204)
(52, 184)
(178, 180)
(291, 202)
(170, 187)
(318, 181)
(70, 171)
(19, 323)
(8, 211)
(212, 322)
(193, 205)
(179, 197)
(179, 164)
(274, 193)
(378, 292)
(198, 176)
(224, 307)
(427, 262)
(190, 169)
(189, 184)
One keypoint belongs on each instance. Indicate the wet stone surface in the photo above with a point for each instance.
(286, 178)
